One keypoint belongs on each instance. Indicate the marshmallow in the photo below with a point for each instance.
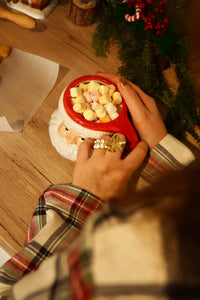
(111, 90)
(87, 96)
(117, 98)
(101, 112)
(73, 101)
(93, 86)
(105, 119)
(79, 107)
(104, 89)
(96, 105)
(111, 108)
(90, 115)
(105, 99)
(79, 99)
(114, 115)
(75, 92)
(95, 95)
(83, 86)
(88, 105)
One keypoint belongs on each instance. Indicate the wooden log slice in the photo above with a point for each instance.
(82, 14)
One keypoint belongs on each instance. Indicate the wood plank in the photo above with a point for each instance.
(67, 44)
(28, 162)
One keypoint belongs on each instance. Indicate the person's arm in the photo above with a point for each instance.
(58, 218)
(167, 156)
(65, 275)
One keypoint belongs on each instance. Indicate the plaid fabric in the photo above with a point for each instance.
(169, 155)
(68, 274)
(58, 218)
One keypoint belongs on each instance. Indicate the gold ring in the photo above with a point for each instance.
(115, 144)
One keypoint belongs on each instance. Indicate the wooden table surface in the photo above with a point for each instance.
(28, 161)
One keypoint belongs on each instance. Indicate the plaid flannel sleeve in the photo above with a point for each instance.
(167, 156)
(58, 218)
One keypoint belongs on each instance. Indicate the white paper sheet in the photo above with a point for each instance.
(25, 82)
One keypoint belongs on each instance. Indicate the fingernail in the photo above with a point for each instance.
(91, 151)
(123, 82)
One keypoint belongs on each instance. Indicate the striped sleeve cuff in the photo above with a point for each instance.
(169, 155)
(72, 202)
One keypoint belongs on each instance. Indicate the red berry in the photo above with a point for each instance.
(149, 2)
(142, 6)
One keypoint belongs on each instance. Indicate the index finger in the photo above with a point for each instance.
(84, 150)
(117, 80)
(131, 97)
(120, 82)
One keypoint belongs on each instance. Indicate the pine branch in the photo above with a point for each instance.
(139, 51)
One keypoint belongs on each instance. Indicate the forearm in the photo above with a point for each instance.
(167, 156)
(58, 218)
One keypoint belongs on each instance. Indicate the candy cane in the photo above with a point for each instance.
(134, 17)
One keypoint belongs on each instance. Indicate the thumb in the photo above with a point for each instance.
(137, 156)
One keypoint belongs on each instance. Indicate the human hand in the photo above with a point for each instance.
(143, 109)
(104, 173)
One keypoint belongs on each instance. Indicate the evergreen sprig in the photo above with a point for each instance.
(140, 52)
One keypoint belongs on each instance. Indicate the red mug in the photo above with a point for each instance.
(121, 124)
